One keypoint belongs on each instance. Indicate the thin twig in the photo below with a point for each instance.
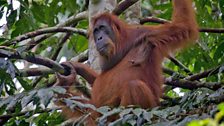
(44, 31)
(212, 30)
(178, 63)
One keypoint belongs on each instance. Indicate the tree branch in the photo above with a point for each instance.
(45, 71)
(123, 5)
(44, 31)
(33, 59)
(74, 19)
(192, 84)
(61, 43)
(163, 21)
(178, 63)
(212, 30)
(35, 72)
(153, 20)
(82, 57)
(55, 53)
(204, 74)
(71, 20)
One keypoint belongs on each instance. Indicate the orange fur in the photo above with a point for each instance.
(133, 75)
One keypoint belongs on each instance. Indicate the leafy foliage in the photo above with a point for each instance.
(217, 121)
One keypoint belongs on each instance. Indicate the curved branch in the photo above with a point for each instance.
(33, 59)
(123, 5)
(45, 71)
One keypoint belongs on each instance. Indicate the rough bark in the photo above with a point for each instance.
(95, 8)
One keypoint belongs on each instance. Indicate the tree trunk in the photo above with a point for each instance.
(133, 13)
(96, 7)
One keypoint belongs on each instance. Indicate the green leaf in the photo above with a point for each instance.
(45, 96)
(103, 110)
(79, 43)
(75, 103)
(147, 116)
(24, 84)
(125, 112)
(12, 105)
(221, 107)
(3, 2)
(27, 99)
(2, 39)
(38, 12)
(137, 112)
(11, 19)
(219, 53)
(41, 119)
(103, 119)
(59, 90)
(5, 101)
(54, 118)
